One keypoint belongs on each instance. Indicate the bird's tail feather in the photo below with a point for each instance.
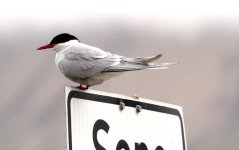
(161, 65)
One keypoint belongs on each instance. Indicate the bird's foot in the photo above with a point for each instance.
(83, 87)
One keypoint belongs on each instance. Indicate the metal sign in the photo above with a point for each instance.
(104, 121)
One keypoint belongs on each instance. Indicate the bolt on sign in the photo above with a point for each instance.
(105, 121)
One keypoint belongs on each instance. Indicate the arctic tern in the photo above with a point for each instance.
(88, 65)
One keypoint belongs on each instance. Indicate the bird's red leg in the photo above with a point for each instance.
(83, 87)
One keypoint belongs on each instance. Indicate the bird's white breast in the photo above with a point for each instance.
(59, 57)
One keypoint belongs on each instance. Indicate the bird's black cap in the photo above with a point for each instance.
(62, 38)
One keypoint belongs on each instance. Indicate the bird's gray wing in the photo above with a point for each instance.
(87, 61)
(143, 60)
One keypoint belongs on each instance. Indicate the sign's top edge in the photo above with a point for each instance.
(68, 89)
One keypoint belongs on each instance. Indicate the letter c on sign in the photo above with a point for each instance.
(99, 124)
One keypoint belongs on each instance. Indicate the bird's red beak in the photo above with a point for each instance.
(45, 47)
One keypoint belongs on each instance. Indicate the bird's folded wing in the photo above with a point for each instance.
(85, 63)
(143, 60)
(128, 66)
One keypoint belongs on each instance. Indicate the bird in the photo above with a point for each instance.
(88, 65)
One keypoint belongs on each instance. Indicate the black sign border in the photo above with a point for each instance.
(115, 100)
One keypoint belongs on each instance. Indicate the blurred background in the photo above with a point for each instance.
(202, 36)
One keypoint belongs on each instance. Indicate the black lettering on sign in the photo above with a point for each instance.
(159, 148)
(140, 146)
(122, 144)
(99, 124)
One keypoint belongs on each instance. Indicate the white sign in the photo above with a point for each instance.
(99, 121)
